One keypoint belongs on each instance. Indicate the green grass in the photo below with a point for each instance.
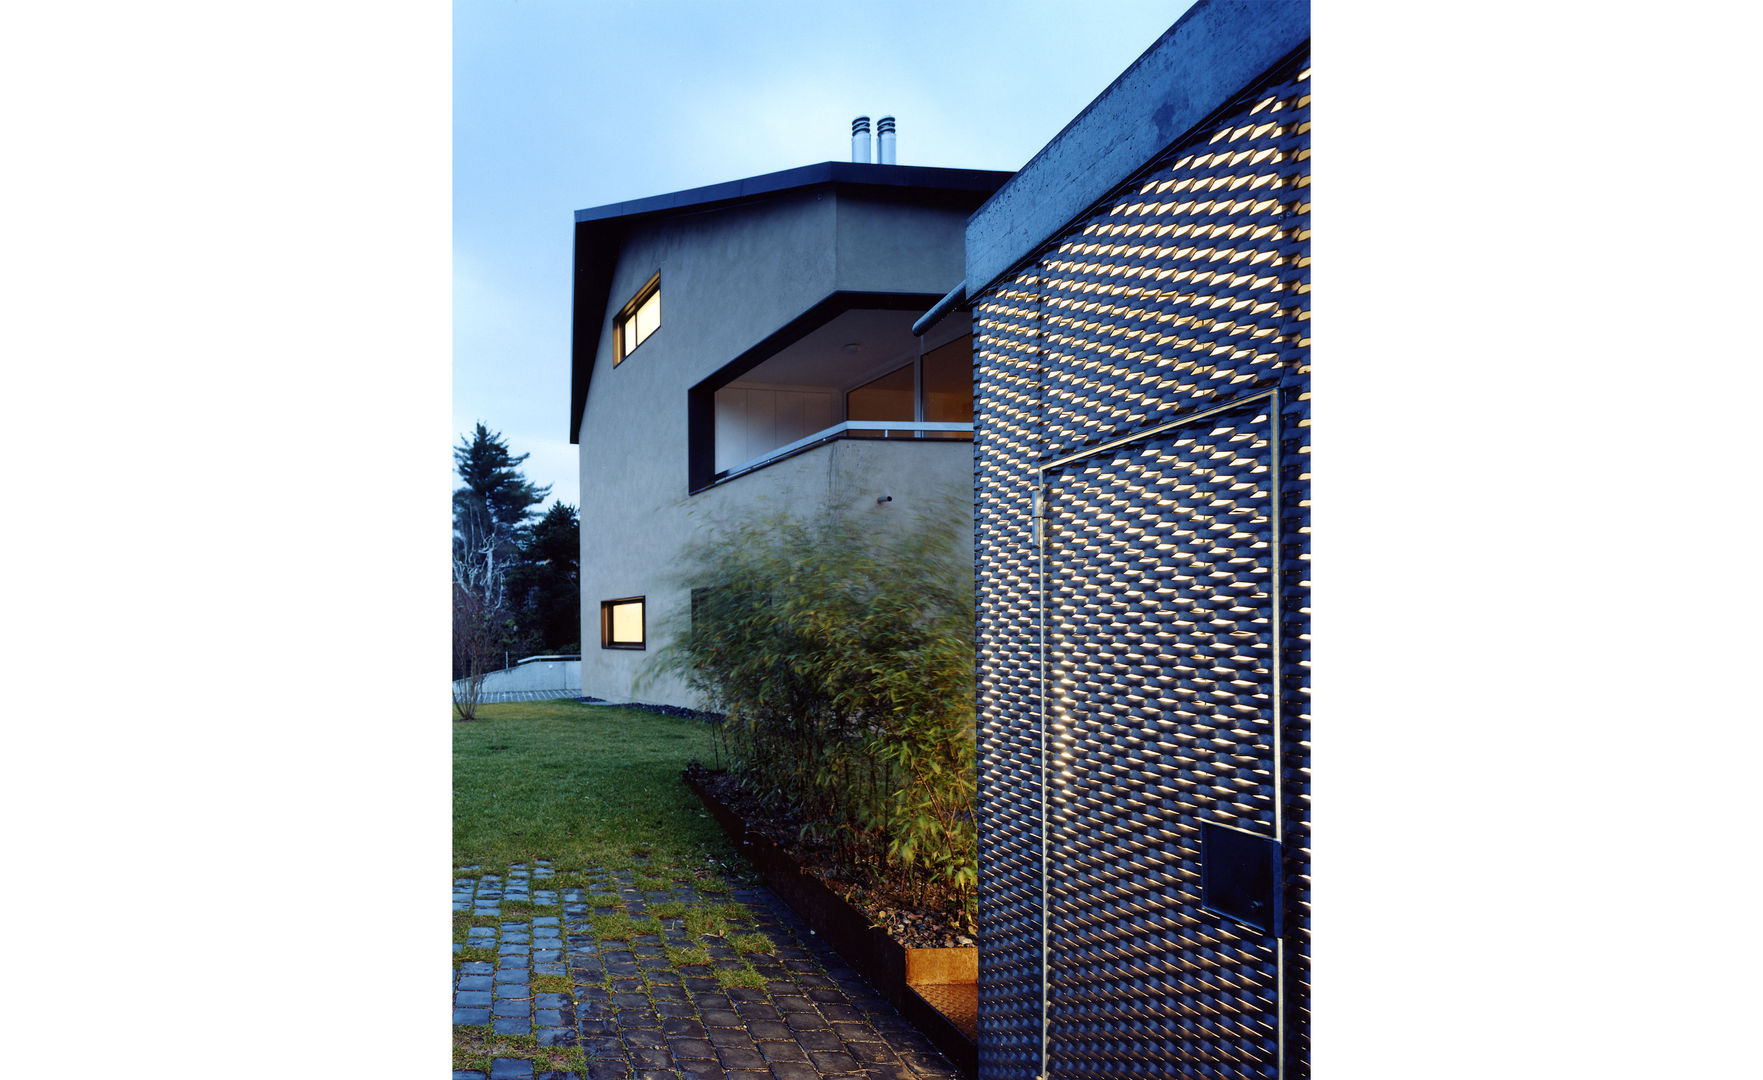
(706, 922)
(474, 1047)
(592, 787)
(618, 926)
(684, 957)
(751, 943)
(552, 984)
(582, 785)
(741, 976)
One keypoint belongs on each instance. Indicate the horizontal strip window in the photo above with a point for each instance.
(638, 319)
(622, 623)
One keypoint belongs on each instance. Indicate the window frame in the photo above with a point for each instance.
(627, 314)
(606, 606)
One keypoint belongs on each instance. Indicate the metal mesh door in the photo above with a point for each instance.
(1162, 713)
(1146, 375)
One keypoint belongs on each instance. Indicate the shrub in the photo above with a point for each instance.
(843, 659)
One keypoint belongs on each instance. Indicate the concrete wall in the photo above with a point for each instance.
(917, 476)
(549, 678)
(730, 278)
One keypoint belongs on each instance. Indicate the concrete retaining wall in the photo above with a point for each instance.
(533, 681)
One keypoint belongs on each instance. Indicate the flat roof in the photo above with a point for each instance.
(1199, 65)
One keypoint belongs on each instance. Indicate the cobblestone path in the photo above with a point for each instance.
(635, 1013)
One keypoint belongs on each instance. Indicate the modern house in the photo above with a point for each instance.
(747, 348)
(1133, 312)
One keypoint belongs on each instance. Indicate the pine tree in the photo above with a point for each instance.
(497, 499)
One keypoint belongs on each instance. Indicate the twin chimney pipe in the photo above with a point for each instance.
(884, 137)
(860, 139)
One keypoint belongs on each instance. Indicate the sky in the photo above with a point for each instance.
(558, 106)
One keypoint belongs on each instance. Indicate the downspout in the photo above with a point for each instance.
(954, 299)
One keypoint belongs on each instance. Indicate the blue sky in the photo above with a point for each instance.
(559, 106)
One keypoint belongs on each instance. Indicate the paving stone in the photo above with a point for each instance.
(871, 1053)
(548, 1017)
(471, 1016)
(551, 1001)
(832, 1063)
(770, 1029)
(928, 1064)
(557, 968)
(477, 967)
(683, 1028)
(511, 1069)
(782, 1051)
(794, 1070)
(474, 982)
(555, 1036)
(513, 990)
(819, 1040)
(650, 1057)
(508, 1025)
(608, 1070)
(471, 999)
(739, 1058)
(644, 1038)
(609, 1046)
(691, 1048)
(840, 1012)
(730, 1037)
(468, 1074)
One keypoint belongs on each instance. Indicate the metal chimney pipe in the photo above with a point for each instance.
(860, 139)
(884, 134)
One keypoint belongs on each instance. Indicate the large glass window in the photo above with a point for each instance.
(639, 318)
(948, 386)
(886, 398)
(621, 623)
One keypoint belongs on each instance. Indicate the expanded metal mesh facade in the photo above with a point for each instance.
(1141, 550)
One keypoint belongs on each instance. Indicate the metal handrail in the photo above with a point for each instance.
(845, 427)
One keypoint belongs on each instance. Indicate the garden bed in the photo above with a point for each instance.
(935, 988)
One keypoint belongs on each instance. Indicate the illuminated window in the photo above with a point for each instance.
(621, 623)
(640, 318)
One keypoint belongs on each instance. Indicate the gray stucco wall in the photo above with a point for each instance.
(730, 278)
(848, 476)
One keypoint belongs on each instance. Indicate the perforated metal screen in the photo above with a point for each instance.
(1143, 647)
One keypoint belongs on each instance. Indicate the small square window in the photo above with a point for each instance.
(621, 623)
(639, 318)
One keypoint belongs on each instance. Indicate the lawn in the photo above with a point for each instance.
(592, 790)
(581, 785)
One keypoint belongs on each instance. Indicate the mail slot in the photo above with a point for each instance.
(1240, 877)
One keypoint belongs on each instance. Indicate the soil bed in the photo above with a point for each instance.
(897, 911)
